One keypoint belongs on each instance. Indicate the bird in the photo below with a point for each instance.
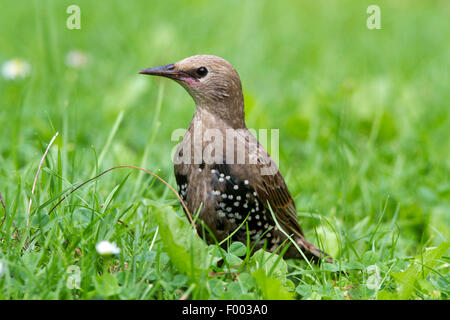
(223, 173)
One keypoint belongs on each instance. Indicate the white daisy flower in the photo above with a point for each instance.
(106, 248)
(15, 68)
(76, 59)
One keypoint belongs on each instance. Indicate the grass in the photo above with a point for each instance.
(364, 148)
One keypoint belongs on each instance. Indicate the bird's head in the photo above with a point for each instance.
(212, 82)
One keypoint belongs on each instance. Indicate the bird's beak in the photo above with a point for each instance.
(168, 71)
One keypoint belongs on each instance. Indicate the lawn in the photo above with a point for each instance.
(364, 125)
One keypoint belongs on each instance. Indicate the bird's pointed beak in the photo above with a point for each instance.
(167, 70)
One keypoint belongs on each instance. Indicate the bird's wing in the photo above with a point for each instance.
(267, 181)
(272, 190)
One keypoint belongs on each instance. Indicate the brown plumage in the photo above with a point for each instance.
(220, 167)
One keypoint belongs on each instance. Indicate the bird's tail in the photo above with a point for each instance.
(311, 251)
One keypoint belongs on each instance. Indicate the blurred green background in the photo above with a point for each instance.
(363, 114)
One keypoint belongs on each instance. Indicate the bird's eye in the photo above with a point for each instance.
(202, 71)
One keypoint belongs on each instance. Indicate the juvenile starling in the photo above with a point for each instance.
(221, 170)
